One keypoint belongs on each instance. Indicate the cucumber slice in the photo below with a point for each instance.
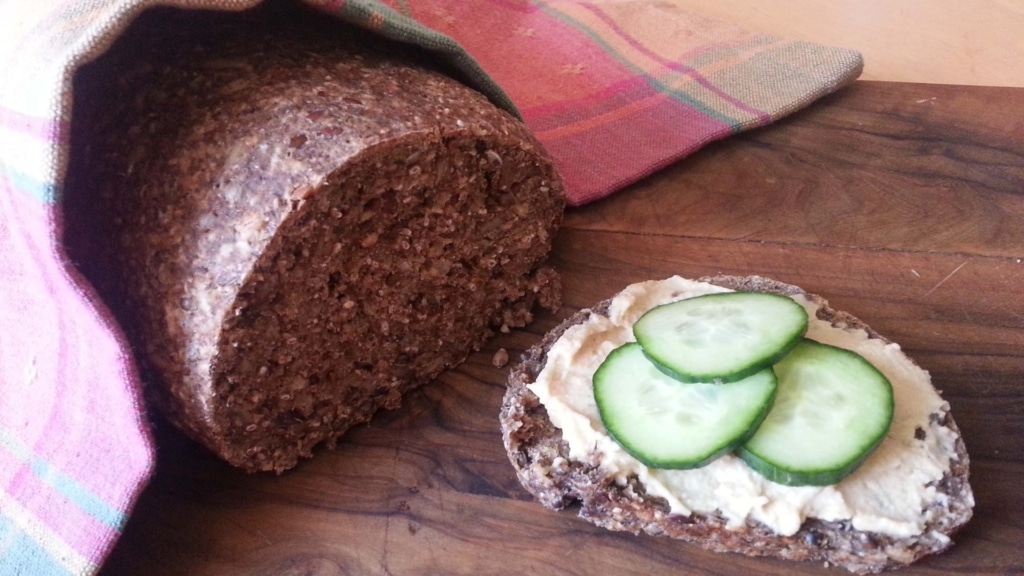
(832, 409)
(665, 423)
(720, 337)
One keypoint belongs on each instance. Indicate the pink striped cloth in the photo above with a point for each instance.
(614, 89)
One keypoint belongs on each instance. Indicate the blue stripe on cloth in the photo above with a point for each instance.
(20, 555)
(67, 486)
(38, 189)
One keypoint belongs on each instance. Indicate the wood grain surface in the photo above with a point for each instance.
(900, 203)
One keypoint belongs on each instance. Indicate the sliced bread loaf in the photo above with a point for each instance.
(295, 222)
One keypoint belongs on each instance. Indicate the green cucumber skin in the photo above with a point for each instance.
(751, 367)
(612, 422)
(792, 476)
(676, 465)
(781, 475)
(746, 372)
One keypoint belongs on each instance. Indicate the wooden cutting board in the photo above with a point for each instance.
(900, 203)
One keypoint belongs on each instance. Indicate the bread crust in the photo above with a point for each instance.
(301, 222)
(541, 459)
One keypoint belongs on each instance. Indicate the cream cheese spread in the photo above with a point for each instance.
(887, 494)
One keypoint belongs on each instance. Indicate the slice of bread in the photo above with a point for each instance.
(558, 478)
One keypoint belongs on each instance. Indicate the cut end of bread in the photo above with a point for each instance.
(542, 460)
(302, 222)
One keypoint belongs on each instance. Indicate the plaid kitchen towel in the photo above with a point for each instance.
(614, 89)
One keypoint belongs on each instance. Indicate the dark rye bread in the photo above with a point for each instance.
(296, 223)
(540, 457)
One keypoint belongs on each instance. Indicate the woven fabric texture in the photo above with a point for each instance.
(614, 89)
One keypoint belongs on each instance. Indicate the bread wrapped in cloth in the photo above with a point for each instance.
(297, 226)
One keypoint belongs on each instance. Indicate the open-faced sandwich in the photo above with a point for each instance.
(744, 415)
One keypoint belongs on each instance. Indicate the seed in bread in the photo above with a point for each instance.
(296, 223)
(904, 502)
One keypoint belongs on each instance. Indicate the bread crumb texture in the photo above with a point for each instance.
(298, 227)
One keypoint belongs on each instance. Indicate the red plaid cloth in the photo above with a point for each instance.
(614, 89)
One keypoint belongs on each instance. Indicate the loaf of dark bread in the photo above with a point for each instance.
(296, 223)
(541, 458)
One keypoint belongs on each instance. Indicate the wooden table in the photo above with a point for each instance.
(900, 203)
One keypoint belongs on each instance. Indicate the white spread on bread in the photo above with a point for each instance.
(887, 494)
